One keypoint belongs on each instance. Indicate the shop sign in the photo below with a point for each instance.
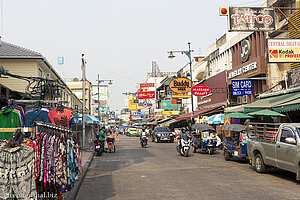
(145, 104)
(241, 87)
(159, 117)
(180, 85)
(146, 95)
(142, 85)
(293, 77)
(181, 96)
(167, 104)
(251, 19)
(170, 112)
(131, 104)
(136, 115)
(245, 50)
(243, 70)
(174, 101)
(204, 102)
(283, 50)
(200, 90)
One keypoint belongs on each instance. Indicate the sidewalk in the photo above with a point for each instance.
(86, 159)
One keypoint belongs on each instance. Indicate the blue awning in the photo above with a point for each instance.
(89, 119)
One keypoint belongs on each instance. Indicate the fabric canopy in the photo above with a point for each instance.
(270, 102)
(234, 127)
(267, 112)
(88, 119)
(215, 119)
(202, 127)
(238, 115)
(196, 113)
(289, 106)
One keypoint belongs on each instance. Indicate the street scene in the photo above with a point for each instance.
(149, 99)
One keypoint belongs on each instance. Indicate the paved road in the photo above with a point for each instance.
(158, 172)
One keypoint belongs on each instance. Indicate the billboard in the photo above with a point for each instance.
(170, 112)
(132, 105)
(180, 85)
(142, 85)
(146, 95)
(200, 90)
(167, 104)
(293, 77)
(283, 50)
(241, 87)
(251, 19)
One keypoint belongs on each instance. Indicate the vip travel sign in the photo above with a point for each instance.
(180, 85)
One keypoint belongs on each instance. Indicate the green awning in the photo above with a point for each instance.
(267, 112)
(168, 82)
(289, 106)
(238, 115)
(270, 102)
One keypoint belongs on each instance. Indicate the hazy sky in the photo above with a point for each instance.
(120, 38)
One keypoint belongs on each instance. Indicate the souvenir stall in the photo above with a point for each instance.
(39, 157)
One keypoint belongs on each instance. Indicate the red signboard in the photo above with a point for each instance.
(146, 95)
(146, 85)
(200, 90)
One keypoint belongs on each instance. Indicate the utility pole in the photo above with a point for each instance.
(98, 99)
(83, 99)
(190, 57)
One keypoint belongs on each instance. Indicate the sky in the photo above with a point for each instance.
(120, 38)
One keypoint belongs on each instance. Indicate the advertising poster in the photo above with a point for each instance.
(283, 50)
(167, 104)
(146, 95)
(241, 87)
(132, 105)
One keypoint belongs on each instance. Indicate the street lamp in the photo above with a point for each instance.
(100, 81)
(188, 54)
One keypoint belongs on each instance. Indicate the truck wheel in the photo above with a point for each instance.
(226, 156)
(259, 164)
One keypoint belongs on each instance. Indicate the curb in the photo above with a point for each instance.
(73, 193)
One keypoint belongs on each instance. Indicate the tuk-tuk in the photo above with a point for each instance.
(235, 141)
(204, 138)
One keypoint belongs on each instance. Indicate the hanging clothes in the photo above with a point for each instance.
(36, 116)
(61, 118)
(9, 118)
(17, 172)
(19, 109)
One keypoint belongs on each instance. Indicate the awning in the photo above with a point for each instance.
(168, 123)
(196, 113)
(215, 119)
(88, 119)
(163, 120)
(289, 106)
(233, 109)
(270, 102)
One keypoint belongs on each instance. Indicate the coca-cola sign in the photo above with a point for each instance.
(200, 90)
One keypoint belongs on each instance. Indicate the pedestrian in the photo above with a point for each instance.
(102, 137)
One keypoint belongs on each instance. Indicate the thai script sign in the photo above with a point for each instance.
(200, 90)
(146, 95)
(167, 104)
(283, 50)
(170, 112)
(181, 96)
(180, 85)
(293, 77)
(241, 87)
(145, 104)
(142, 85)
(251, 19)
(242, 70)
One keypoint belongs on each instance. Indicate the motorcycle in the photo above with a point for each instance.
(98, 147)
(144, 142)
(183, 146)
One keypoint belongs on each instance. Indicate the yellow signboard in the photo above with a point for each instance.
(283, 50)
(180, 85)
(181, 96)
(132, 105)
(176, 112)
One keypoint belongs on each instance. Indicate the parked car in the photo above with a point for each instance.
(162, 134)
(280, 149)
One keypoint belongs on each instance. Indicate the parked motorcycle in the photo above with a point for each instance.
(97, 147)
(144, 142)
(183, 146)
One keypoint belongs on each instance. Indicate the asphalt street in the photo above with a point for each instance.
(159, 172)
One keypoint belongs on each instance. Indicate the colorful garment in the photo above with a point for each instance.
(36, 116)
(20, 111)
(9, 118)
(61, 118)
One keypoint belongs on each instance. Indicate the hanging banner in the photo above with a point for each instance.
(251, 19)
(146, 95)
(283, 50)
(142, 85)
(180, 85)
(167, 104)
(132, 105)
(200, 90)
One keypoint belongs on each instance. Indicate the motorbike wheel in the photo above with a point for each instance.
(226, 156)
(210, 151)
(194, 150)
(114, 149)
(186, 153)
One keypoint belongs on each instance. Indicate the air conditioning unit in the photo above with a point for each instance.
(244, 99)
(239, 100)
(47, 75)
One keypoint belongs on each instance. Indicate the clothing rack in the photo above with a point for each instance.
(47, 125)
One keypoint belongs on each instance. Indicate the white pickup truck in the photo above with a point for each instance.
(281, 150)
